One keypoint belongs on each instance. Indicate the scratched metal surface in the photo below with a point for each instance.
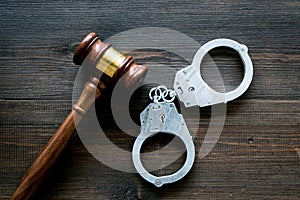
(258, 153)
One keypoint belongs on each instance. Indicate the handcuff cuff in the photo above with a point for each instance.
(191, 89)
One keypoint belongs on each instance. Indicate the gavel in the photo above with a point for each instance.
(104, 61)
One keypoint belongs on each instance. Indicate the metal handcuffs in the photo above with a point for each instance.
(191, 89)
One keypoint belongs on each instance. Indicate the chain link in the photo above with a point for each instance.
(162, 94)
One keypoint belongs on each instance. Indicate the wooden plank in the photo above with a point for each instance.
(266, 165)
(50, 48)
(257, 154)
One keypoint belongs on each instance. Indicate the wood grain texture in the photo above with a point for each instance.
(48, 157)
(257, 155)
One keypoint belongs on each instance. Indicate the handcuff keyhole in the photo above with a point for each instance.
(162, 118)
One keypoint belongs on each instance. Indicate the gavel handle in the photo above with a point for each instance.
(58, 142)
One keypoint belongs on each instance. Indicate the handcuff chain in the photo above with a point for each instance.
(161, 94)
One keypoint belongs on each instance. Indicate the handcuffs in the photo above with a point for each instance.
(191, 89)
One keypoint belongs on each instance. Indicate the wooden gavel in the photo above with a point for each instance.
(102, 59)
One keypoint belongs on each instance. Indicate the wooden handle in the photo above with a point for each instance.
(113, 65)
(58, 142)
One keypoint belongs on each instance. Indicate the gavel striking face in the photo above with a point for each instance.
(102, 59)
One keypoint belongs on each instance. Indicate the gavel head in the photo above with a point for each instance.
(103, 59)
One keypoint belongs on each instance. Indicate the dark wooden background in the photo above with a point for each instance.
(258, 153)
